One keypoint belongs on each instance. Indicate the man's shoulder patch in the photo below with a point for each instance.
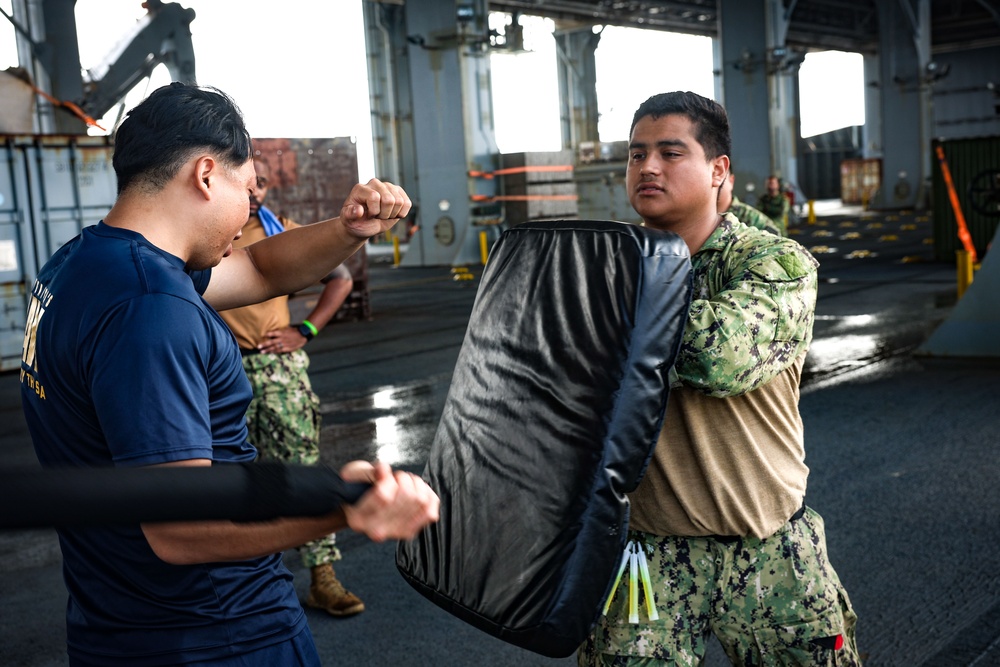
(793, 265)
(782, 259)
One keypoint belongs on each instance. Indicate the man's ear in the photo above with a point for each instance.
(720, 170)
(206, 169)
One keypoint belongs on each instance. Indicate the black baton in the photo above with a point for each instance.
(236, 491)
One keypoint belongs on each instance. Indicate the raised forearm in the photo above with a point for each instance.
(193, 542)
(301, 257)
(293, 260)
(725, 352)
(753, 327)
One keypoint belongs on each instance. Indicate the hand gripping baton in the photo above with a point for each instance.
(33, 498)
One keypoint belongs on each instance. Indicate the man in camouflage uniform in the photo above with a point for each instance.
(722, 540)
(774, 204)
(748, 215)
(283, 419)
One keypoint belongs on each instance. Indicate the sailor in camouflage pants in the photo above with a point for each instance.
(283, 423)
(770, 601)
(720, 539)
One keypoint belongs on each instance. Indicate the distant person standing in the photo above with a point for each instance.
(284, 418)
(748, 215)
(774, 204)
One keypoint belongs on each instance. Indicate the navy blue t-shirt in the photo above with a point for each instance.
(125, 364)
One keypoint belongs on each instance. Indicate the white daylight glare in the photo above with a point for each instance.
(831, 91)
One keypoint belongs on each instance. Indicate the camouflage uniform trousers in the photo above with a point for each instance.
(772, 601)
(283, 421)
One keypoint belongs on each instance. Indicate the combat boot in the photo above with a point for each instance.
(327, 593)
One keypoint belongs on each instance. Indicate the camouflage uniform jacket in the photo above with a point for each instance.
(751, 217)
(775, 207)
(752, 311)
(730, 458)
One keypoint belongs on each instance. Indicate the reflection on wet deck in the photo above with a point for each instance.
(392, 424)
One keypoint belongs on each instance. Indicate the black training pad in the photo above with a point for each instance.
(237, 491)
(554, 409)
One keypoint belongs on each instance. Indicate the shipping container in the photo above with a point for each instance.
(602, 194)
(310, 180)
(860, 179)
(51, 187)
(537, 185)
(974, 165)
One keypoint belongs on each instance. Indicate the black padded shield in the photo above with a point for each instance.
(554, 409)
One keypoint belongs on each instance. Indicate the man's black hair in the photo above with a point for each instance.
(163, 131)
(709, 118)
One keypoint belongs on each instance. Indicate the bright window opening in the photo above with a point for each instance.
(831, 91)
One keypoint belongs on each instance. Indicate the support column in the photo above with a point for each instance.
(577, 72)
(743, 45)
(904, 52)
(783, 84)
(872, 129)
(445, 71)
(760, 91)
(389, 92)
(55, 70)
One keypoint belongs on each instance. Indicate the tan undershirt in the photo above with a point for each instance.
(250, 323)
(726, 466)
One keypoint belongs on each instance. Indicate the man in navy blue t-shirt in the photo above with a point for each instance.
(126, 363)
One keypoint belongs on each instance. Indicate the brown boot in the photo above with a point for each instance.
(327, 593)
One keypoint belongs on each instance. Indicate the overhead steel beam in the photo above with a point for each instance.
(163, 35)
(847, 25)
(696, 17)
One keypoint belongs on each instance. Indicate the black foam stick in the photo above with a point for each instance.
(99, 496)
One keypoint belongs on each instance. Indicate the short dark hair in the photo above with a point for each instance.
(163, 131)
(709, 118)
